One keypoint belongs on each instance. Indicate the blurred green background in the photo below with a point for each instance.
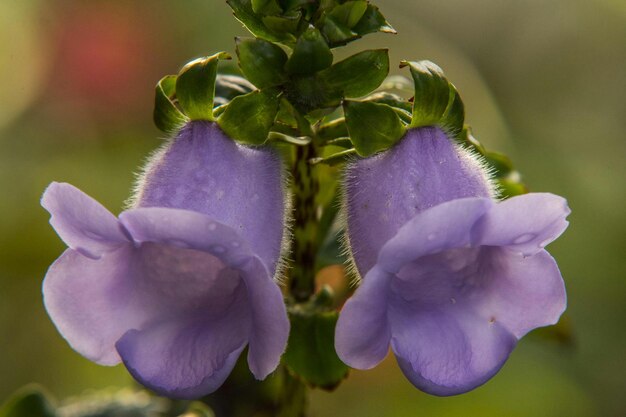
(543, 81)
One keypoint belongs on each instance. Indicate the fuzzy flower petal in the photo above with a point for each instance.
(87, 301)
(525, 223)
(83, 223)
(387, 190)
(205, 171)
(363, 332)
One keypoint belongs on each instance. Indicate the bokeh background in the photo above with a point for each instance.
(543, 81)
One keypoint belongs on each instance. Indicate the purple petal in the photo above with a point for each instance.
(88, 301)
(186, 229)
(83, 223)
(270, 326)
(526, 223)
(191, 230)
(362, 334)
(523, 293)
(384, 192)
(203, 170)
(439, 228)
(189, 356)
(447, 352)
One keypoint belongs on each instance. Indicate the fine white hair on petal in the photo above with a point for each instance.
(150, 164)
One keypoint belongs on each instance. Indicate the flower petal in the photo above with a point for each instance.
(383, 192)
(522, 293)
(83, 223)
(362, 334)
(525, 223)
(188, 356)
(270, 325)
(186, 229)
(447, 352)
(88, 301)
(445, 226)
(205, 171)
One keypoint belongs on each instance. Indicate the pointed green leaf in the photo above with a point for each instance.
(359, 74)
(310, 55)
(30, 401)
(195, 87)
(336, 33)
(311, 349)
(436, 101)
(248, 119)
(373, 21)
(254, 23)
(266, 7)
(373, 127)
(166, 115)
(349, 13)
(262, 62)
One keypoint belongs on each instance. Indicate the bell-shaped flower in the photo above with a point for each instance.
(177, 286)
(452, 278)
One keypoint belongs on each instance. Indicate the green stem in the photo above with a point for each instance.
(305, 189)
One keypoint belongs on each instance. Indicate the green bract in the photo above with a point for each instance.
(310, 55)
(195, 87)
(311, 349)
(373, 127)
(262, 62)
(436, 102)
(167, 117)
(248, 118)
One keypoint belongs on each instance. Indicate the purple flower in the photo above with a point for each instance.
(452, 279)
(177, 286)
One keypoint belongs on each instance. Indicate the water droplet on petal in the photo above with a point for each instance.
(525, 238)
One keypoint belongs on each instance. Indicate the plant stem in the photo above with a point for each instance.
(305, 189)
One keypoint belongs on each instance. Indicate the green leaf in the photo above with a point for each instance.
(166, 115)
(373, 21)
(287, 23)
(436, 101)
(195, 86)
(266, 7)
(311, 349)
(248, 119)
(310, 55)
(373, 127)
(359, 74)
(262, 62)
(336, 33)
(349, 13)
(254, 23)
(30, 401)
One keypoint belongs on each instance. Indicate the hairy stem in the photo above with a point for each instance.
(305, 189)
